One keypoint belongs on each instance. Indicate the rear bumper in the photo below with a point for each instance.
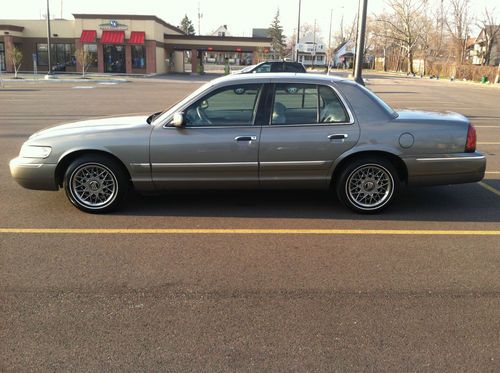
(32, 174)
(446, 169)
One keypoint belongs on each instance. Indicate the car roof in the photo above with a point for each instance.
(302, 77)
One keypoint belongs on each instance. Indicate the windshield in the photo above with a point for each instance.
(174, 108)
(248, 69)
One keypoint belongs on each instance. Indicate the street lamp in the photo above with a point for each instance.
(360, 45)
(298, 35)
(48, 40)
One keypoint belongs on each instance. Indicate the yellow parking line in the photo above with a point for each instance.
(219, 231)
(490, 188)
(488, 143)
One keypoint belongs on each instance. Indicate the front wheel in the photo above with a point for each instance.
(95, 183)
(367, 185)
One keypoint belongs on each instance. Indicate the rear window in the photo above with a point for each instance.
(294, 68)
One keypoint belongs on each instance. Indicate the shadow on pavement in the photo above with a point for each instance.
(470, 203)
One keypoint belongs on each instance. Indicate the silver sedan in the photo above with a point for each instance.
(256, 131)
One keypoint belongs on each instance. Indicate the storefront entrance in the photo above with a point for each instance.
(114, 58)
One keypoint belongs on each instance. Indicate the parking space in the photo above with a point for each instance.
(264, 292)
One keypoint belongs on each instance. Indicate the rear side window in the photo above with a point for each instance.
(295, 104)
(331, 109)
(307, 104)
(294, 68)
(277, 68)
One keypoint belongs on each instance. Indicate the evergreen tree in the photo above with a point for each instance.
(187, 25)
(275, 32)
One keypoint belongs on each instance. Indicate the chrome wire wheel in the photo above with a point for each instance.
(93, 185)
(369, 186)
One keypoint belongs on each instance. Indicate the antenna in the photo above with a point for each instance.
(200, 16)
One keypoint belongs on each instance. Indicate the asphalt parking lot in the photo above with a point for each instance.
(355, 299)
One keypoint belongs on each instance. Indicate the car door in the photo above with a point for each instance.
(310, 127)
(216, 148)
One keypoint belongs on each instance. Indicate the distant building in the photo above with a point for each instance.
(343, 55)
(119, 43)
(476, 50)
(221, 31)
(311, 52)
(260, 33)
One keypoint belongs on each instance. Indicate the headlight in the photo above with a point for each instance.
(31, 151)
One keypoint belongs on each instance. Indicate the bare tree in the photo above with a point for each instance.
(85, 59)
(490, 32)
(16, 57)
(404, 25)
(458, 24)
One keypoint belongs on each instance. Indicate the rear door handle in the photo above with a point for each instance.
(338, 136)
(245, 138)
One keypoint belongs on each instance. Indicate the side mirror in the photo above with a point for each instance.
(178, 120)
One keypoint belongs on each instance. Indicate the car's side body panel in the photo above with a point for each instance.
(159, 156)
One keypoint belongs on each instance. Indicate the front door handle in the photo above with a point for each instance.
(245, 138)
(338, 136)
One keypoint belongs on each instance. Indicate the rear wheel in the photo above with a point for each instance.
(367, 185)
(95, 183)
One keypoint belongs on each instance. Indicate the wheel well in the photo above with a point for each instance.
(68, 158)
(397, 162)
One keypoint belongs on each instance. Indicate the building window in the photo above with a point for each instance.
(2, 57)
(92, 49)
(62, 55)
(42, 56)
(138, 57)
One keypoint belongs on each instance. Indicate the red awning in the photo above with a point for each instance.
(136, 37)
(88, 36)
(113, 37)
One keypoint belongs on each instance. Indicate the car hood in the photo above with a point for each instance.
(416, 115)
(92, 126)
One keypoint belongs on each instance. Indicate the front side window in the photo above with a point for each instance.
(229, 106)
(307, 104)
(138, 57)
(264, 68)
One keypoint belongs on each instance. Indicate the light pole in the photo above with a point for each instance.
(360, 45)
(48, 40)
(298, 35)
(329, 43)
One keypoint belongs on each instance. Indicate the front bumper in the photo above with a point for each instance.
(33, 174)
(446, 169)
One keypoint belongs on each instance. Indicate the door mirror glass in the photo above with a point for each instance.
(178, 120)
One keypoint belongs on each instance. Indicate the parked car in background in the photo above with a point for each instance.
(274, 67)
(249, 131)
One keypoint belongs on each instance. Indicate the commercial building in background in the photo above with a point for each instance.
(131, 44)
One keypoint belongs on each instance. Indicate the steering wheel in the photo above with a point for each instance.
(202, 115)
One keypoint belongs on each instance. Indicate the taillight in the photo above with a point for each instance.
(470, 145)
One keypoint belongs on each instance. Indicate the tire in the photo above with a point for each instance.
(367, 185)
(95, 183)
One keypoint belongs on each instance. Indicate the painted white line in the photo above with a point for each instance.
(82, 87)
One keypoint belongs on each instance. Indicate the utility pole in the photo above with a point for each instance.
(200, 16)
(298, 36)
(329, 42)
(360, 45)
(48, 40)
(61, 9)
(314, 44)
